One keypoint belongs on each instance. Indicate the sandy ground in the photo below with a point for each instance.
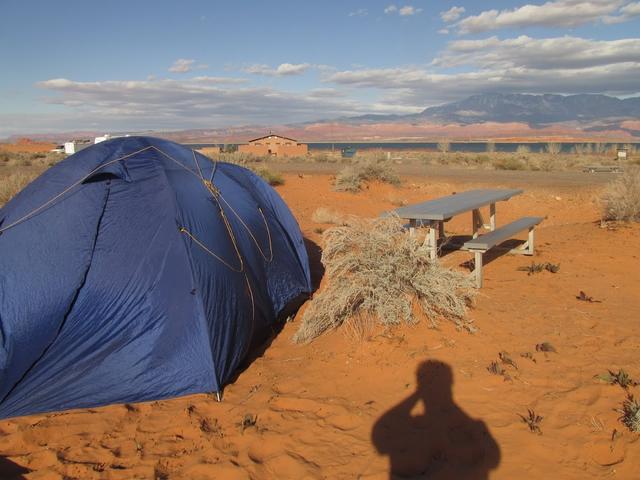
(417, 398)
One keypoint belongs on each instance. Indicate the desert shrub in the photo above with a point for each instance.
(272, 178)
(546, 164)
(508, 163)
(230, 148)
(12, 184)
(24, 159)
(238, 158)
(353, 177)
(481, 159)
(375, 269)
(553, 148)
(630, 414)
(444, 146)
(621, 199)
(326, 215)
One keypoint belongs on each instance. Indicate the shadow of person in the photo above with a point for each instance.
(10, 470)
(441, 441)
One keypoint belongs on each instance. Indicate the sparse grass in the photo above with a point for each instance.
(326, 215)
(630, 414)
(24, 159)
(359, 326)
(375, 268)
(621, 199)
(545, 347)
(529, 356)
(247, 421)
(533, 421)
(507, 360)
(12, 184)
(211, 426)
(352, 178)
(620, 377)
(583, 297)
(553, 148)
(495, 368)
(540, 267)
(509, 163)
(272, 178)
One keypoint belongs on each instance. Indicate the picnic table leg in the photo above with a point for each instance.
(530, 241)
(475, 222)
(478, 268)
(433, 240)
(492, 216)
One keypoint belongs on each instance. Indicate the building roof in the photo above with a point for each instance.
(272, 135)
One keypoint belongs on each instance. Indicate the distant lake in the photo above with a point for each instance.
(477, 147)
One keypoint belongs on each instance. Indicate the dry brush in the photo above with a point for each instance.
(375, 269)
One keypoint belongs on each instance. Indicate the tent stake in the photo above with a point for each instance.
(218, 396)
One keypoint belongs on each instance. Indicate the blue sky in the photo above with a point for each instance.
(135, 65)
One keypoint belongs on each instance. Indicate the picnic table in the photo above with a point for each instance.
(434, 213)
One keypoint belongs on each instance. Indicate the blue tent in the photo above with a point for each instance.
(138, 269)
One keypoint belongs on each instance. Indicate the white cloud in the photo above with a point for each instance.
(361, 12)
(444, 31)
(631, 9)
(452, 14)
(625, 14)
(198, 102)
(556, 13)
(284, 69)
(565, 65)
(415, 86)
(408, 10)
(184, 65)
(539, 53)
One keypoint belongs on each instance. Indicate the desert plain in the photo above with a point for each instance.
(411, 401)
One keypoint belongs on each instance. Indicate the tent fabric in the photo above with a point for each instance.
(126, 276)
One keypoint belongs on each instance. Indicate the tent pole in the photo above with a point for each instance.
(218, 396)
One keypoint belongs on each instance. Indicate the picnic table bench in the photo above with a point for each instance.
(434, 213)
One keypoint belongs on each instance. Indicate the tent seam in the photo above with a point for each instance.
(200, 302)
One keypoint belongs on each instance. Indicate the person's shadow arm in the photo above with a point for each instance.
(393, 423)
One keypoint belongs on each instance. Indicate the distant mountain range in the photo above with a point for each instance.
(479, 117)
(534, 110)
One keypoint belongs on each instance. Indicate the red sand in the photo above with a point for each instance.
(318, 405)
